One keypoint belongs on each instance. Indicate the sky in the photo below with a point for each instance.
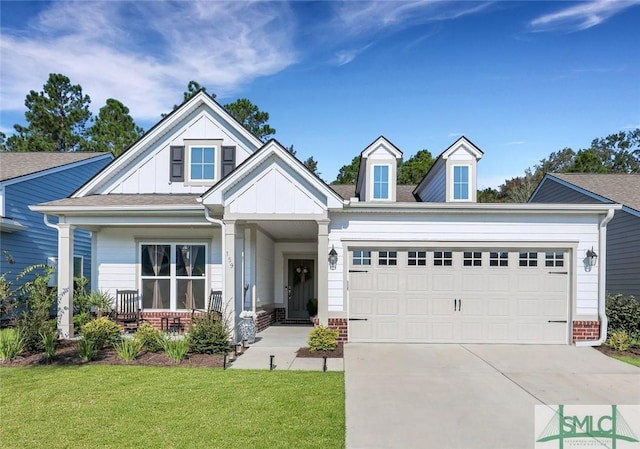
(519, 79)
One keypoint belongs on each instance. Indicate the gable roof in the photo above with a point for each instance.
(618, 188)
(16, 165)
(381, 141)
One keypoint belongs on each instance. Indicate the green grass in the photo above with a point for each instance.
(628, 359)
(104, 406)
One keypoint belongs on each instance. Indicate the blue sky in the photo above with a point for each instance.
(520, 79)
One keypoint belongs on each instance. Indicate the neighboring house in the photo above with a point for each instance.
(200, 204)
(29, 178)
(623, 232)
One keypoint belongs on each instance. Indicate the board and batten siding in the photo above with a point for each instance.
(39, 242)
(442, 231)
(623, 238)
(150, 172)
(118, 255)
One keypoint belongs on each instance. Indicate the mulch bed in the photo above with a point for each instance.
(67, 355)
(633, 352)
(307, 353)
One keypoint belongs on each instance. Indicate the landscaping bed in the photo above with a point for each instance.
(337, 353)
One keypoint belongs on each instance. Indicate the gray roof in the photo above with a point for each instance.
(619, 188)
(14, 165)
(124, 200)
(404, 193)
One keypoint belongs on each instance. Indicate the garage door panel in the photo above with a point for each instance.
(416, 282)
(472, 307)
(442, 331)
(473, 282)
(417, 330)
(498, 307)
(417, 307)
(472, 331)
(443, 282)
(388, 330)
(498, 331)
(498, 282)
(362, 305)
(387, 282)
(388, 306)
(442, 306)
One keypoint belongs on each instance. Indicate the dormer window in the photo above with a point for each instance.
(380, 182)
(202, 163)
(460, 182)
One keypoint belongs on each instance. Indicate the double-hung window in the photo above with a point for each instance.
(173, 276)
(380, 182)
(202, 163)
(460, 182)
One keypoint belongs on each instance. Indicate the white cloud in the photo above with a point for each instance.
(581, 16)
(346, 56)
(144, 54)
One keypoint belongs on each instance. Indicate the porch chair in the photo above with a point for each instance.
(127, 310)
(214, 308)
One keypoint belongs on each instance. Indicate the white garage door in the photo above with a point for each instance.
(458, 295)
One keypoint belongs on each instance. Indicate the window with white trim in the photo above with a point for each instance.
(173, 276)
(460, 182)
(388, 258)
(380, 182)
(417, 258)
(528, 259)
(442, 258)
(498, 259)
(202, 163)
(472, 259)
(554, 259)
(361, 257)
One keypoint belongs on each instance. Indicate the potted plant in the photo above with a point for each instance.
(312, 307)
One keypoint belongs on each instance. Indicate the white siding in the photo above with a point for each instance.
(439, 230)
(265, 258)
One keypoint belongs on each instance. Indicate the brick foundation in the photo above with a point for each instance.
(155, 317)
(265, 318)
(586, 330)
(281, 314)
(341, 325)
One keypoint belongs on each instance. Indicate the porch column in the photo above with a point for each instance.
(323, 272)
(229, 272)
(65, 280)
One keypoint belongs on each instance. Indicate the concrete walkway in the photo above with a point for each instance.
(470, 396)
(282, 342)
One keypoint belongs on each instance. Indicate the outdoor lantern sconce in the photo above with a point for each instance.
(333, 258)
(592, 257)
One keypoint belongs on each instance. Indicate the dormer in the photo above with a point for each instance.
(453, 176)
(378, 171)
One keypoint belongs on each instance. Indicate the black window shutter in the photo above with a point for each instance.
(176, 164)
(228, 160)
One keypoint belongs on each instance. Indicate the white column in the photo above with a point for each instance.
(229, 269)
(65, 280)
(323, 272)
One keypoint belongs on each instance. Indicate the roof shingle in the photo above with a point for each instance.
(14, 165)
(619, 188)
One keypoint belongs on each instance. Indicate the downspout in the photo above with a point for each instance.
(602, 273)
(49, 224)
(217, 221)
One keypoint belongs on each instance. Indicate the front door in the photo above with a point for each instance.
(301, 282)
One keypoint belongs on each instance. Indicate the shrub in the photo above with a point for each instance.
(81, 319)
(208, 336)
(50, 344)
(87, 349)
(623, 313)
(312, 306)
(149, 338)
(85, 302)
(323, 338)
(11, 344)
(175, 348)
(102, 332)
(619, 340)
(127, 349)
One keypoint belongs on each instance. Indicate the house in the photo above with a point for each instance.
(200, 204)
(623, 232)
(25, 178)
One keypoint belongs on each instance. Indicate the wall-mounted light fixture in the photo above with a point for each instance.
(592, 257)
(333, 258)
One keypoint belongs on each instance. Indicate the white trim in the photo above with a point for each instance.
(453, 183)
(200, 182)
(10, 225)
(373, 182)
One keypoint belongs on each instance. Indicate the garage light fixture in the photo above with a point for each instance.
(592, 257)
(333, 258)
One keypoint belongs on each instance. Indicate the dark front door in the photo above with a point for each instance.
(301, 281)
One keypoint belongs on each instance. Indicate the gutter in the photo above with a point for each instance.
(602, 272)
(217, 221)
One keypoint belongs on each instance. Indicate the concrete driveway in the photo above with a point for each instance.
(470, 396)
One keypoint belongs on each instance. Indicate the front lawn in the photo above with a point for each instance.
(101, 406)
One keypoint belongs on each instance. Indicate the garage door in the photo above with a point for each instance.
(458, 295)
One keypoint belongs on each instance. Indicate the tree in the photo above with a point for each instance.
(113, 130)
(348, 174)
(251, 118)
(413, 170)
(56, 118)
(489, 195)
(193, 87)
(3, 142)
(311, 164)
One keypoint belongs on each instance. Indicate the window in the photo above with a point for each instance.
(498, 259)
(442, 258)
(173, 276)
(472, 259)
(387, 258)
(528, 259)
(460, 182)
(362, 257)
(78, 270)
(202, 166)
(554, 259)
(417, 258)
(381, 182)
